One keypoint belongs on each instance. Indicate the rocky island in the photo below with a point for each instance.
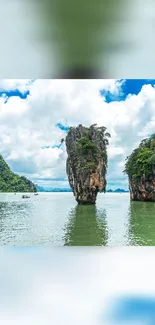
(11, 182)
(86, 164)
(140, 168)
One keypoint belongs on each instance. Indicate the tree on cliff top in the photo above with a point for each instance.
(141, 162)
(88, 148)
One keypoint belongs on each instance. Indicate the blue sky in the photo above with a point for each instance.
(14, 93)
(36, 114)
(128, 87)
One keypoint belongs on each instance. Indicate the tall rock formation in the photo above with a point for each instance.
(87, 162)
(140, 168)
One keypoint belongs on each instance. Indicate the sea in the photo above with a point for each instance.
(55, 219)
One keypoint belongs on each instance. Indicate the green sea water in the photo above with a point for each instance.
(54, 219)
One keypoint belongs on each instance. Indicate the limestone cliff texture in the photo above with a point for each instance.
(144, 190)
(140, 168)
(87, 162)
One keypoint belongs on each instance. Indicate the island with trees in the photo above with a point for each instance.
(11, 182)
(140, 168)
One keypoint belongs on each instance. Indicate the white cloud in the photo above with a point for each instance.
(114, 151)
(28, 124)
(11, 84)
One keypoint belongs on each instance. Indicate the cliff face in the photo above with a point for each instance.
(87, 162)
(140, 168)
(11, 182)
(142, 190)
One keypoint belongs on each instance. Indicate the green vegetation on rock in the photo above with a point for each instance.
(141, 162)
(11, 182)
(89, 151)
(87, 148)
(104, 156)
(85, 144)
(89, 166)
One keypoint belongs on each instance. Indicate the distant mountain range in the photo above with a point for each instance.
(42, 189)
(118, 190)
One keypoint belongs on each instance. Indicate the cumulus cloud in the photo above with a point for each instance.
(41, 120)
(11, 84)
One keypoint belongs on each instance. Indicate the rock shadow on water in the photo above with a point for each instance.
(142, 223)
(86, 226)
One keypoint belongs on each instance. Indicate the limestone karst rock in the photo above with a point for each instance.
(140, 168)
(87, 162)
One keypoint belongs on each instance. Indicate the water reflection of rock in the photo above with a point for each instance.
(142, 223)
(86, 227)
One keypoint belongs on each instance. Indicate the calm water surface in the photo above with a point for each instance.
(55, 219)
